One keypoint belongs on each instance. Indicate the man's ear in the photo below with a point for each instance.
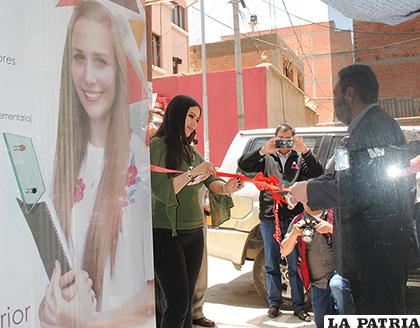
(349, 94)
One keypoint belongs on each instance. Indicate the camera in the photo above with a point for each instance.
(308, 226)
(284, 143)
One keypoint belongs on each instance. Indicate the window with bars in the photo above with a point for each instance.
(288, 68)
(156, 43)
(175, 64)
(178, 15)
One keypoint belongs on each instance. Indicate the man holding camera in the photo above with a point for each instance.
(312, 232)
(286, 157)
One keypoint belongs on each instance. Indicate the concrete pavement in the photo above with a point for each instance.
(232, 301)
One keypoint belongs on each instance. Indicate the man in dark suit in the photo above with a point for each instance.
(373, 227)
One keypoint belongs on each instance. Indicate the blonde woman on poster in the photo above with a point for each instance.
(99, 191)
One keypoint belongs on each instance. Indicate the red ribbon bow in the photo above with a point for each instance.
(271, 184)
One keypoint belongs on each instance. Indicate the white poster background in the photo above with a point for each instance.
(32, 35)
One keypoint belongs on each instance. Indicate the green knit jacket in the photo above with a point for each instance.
(179, 211)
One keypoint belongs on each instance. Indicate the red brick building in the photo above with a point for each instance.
(394, 54)
(325, 52)
(268, 99)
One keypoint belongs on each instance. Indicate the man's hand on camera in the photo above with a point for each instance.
(269, 147)
(297, 229)
(299, 145)
(323, 227)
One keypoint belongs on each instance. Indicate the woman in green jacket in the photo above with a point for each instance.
(177, 214)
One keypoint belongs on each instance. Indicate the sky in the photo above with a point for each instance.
(270, 13)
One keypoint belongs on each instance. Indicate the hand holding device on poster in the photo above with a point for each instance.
(35, 205)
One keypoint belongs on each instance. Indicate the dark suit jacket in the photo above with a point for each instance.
(373, 223)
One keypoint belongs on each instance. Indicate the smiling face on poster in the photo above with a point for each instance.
(94, 69)
(77, 192)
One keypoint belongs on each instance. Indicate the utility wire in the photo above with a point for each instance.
(154, 2)
(268, 43)
(259, 50)
(321, 54)
(248, 36)
(340, 29)
(389, 45)
(303, 52)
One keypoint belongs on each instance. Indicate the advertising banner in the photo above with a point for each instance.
(75, 224)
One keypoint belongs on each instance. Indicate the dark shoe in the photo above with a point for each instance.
(273, 311)
(303, 315)
(204, 322)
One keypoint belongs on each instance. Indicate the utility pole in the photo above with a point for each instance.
(148, 10)
(238, 65)
(204, 80)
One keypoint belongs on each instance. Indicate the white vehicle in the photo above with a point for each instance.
(239, 239)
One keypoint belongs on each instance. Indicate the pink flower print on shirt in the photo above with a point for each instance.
(125, 202)
(295, 166)
(132, 175)
(79, 190)
(132, 181)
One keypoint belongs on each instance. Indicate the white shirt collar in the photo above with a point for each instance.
(283, 158)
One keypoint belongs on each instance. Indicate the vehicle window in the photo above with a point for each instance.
(257, 143)
(412, 135)
(312, 143)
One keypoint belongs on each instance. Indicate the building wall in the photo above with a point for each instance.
(222, 111)
(174, 40)
(179, 48)
(285, 103)
(259, 103)
(320, 66)
(317, 41)
(397, 67)
(217, 62)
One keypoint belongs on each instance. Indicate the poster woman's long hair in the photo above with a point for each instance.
(72, 140)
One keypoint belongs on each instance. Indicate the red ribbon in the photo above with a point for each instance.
(260, 181)
(271, 184)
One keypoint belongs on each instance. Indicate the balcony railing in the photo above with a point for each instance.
(401, 107)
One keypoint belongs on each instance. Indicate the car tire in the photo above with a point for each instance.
(258, 274)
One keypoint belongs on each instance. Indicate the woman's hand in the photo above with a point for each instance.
(205, 169)
(233, 185)
(64, 305)
(69, 288)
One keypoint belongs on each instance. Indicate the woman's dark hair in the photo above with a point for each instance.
(172, 131)
(362, 79)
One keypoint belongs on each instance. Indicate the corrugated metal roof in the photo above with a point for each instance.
(390, 12)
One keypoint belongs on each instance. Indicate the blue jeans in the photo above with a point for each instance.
(322, 304)
(341, 293)
(272, 263)
(296, 284)
(272, 267)
(417, 218)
